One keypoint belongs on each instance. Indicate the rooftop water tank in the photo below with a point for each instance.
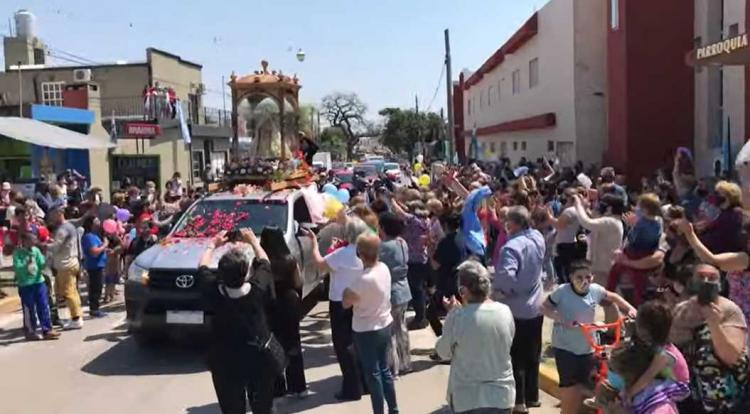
(25, 22)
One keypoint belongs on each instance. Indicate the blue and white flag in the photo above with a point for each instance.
(183, 124)
(113, 129)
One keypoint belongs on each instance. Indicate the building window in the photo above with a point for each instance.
(492, 147)
(490, 92)
(503, 148)
(481, 100)
(550, 146)
(516, 82)
(499, 89)
(469, 106)
(198, 164)
(523, 145)
(52, 93)
(533, 73)
(614, 14)
(734, 30)
(515, 145)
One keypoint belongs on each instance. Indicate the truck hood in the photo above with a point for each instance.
(183, 253)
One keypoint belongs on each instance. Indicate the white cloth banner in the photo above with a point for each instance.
(183, 124)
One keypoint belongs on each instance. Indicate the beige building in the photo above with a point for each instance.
(720, 91)
(117, 92)
(541, 94)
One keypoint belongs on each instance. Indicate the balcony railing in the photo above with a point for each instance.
(136, 108)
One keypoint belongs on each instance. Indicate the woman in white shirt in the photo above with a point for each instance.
(477, 337)
(344, 267)
(606, 233)
(370, 298)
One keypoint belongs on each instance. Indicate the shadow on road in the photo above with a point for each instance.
(11, 336)
(204, 409)
(128, 358)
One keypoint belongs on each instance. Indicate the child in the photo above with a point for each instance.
(653, 324)
(642, 241)
(113, 268)
(662, 382)
(568, 305)
(28, 263)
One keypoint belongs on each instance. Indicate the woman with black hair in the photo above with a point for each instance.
(244, 356)
(286, 310)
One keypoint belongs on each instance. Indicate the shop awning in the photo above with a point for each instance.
(728, 52)
(47, 135)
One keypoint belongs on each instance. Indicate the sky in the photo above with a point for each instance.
(386, 51)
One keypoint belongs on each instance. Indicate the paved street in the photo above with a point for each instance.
(101, 369)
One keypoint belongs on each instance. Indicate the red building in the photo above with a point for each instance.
(650, 87)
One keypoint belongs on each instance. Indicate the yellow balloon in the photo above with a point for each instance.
(331, 207)
(424, 180)
(418, 167)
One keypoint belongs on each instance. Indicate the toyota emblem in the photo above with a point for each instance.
(185, 281)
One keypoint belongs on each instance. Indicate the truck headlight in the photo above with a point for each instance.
(138, 274)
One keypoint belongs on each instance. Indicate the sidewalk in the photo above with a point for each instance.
(9, 301)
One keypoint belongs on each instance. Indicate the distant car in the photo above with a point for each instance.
(368, 170)
(345, 176)
(163, 289)
(392, 171)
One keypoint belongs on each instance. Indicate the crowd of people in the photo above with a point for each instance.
(481, 255)
(65, 233)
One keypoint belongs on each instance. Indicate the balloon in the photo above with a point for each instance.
(109, 226)
(420, 158)
(122, 215)
(343, 196)
(424, 180)
(584, 180)
(331, 207)
(521, 171)
(330, 189)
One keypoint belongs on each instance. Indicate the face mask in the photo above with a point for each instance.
(581, 287)
(615, 380)
(701, 193)
(720, 200)
(707, 292)
(692, 287)
(638, 212)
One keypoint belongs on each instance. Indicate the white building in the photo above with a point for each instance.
(543, 92)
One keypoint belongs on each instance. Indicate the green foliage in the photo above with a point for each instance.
(405, 128)
(333, 140)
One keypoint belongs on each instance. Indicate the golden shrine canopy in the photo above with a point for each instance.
(264, 76)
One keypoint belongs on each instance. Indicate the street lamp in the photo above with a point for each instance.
(300, 55)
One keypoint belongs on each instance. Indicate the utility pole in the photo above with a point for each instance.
(20, 91)
(449, 93)
(222, 118)
(419, 124)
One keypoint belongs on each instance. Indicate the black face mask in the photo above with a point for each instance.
(720, 200)
(701, 193)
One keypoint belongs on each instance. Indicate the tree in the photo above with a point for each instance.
(333, 140)
(346, 112)
(405, 128)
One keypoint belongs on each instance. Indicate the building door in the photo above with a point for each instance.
(565, 153)
(139, 168)
(218, 161)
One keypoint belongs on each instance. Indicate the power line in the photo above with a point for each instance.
(71, 55)
(437, 88)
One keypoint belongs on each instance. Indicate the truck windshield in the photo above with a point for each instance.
(209, 217)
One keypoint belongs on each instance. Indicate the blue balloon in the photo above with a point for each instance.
(521, 171)
(330, 189)
(342, 195)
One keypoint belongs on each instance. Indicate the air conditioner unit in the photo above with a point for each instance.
(82, 75)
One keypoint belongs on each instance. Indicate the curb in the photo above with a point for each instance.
(9, 304)
(549, 380)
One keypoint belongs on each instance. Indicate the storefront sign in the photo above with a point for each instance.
(138, 168)
(724, 47)
(141, 130)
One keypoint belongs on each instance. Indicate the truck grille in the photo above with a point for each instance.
(178, 280)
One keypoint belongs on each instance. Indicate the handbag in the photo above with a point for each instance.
(273, 358)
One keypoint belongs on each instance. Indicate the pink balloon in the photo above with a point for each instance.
(109, 226)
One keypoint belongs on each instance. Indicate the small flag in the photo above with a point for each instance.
(113, 129)
(183, 125)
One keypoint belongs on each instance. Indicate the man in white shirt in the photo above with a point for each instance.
(370, 298)
(344, 267)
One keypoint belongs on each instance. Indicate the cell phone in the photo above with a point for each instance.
(234, 236)
(707, 293)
